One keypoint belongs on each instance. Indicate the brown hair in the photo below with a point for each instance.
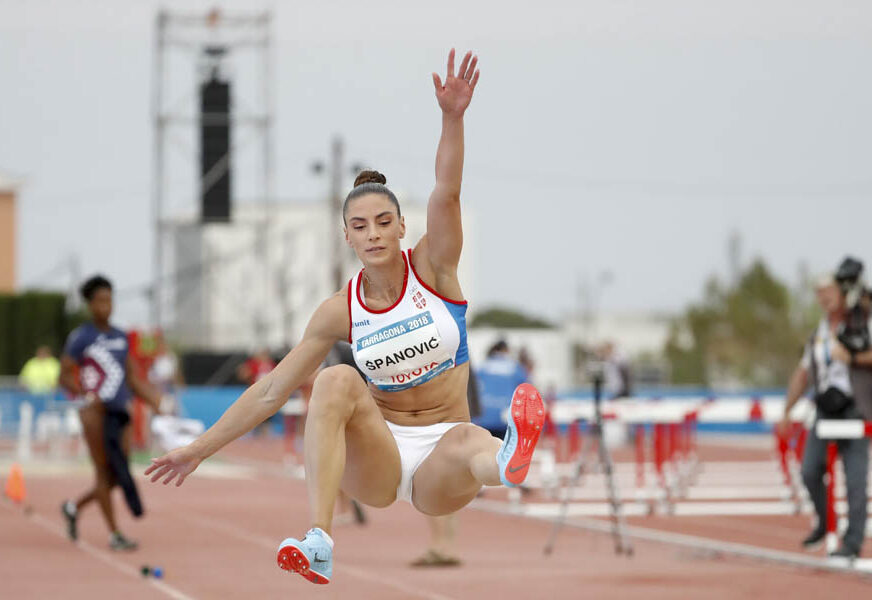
(370, 182)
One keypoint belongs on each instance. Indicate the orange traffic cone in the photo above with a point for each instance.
(15, 489)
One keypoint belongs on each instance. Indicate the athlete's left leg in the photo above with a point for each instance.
(468, 457)
(462, 462)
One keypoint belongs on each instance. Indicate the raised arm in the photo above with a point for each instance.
(444, 238)
(264, 398)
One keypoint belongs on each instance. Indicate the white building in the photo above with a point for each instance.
(254, 283)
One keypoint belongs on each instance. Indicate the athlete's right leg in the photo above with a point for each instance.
(91, 417)
(347, 444)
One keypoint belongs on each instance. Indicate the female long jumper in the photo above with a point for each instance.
(405, 433)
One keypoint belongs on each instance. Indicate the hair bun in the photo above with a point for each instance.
(370, 177)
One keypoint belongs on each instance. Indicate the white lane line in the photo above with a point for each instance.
(679, 509)
(107, 558)
(271, 544)
(628, 468)
(787, 534)
(573, 509)
(709, 545)
(599, 492)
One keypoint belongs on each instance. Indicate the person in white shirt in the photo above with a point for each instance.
(826, 367)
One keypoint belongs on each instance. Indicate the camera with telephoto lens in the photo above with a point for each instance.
(854, 332)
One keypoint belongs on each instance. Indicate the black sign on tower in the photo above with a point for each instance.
(215, 156)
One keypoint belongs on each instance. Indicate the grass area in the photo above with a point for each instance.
(141, 457)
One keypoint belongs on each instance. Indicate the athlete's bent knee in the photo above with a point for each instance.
(335, 387)
(337, 378)
(473, 438)
(465, 441)
(381, 501)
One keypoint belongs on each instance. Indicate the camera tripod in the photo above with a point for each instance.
(623, 545)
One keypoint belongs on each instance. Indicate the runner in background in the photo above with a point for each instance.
(97, 368)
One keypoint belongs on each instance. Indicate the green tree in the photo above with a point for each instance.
(750, 333)
(507, 318)
(29, 320)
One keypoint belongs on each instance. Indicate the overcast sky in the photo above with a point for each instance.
(610, 135)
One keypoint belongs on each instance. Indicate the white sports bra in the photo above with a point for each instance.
(421, 336)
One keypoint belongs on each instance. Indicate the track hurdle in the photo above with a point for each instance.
(833, 430)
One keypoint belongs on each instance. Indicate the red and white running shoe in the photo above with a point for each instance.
(526, 418)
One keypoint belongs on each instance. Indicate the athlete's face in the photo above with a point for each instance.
(373, 229)
(100, 304)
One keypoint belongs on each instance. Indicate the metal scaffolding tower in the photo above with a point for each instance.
(190, 47)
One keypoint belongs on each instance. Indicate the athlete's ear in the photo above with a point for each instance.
(402, 227)
(347, 241)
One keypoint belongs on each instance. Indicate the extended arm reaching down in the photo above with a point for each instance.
(264, 398)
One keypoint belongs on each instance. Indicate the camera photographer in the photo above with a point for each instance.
(837, 364)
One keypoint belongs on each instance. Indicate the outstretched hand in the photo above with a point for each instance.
(455, 94)
(180, 462)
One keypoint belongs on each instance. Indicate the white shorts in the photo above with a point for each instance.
(415, 445)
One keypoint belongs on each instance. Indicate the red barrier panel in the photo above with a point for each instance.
(640, 456)
(658, 444)
(782, 442)
(832, 452)
(799, 447)
(689, 432)
(756, 412)
(574, 439)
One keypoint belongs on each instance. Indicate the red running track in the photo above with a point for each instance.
(217, 538)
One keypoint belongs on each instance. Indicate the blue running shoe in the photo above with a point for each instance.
(526, 418)
(312, 558)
